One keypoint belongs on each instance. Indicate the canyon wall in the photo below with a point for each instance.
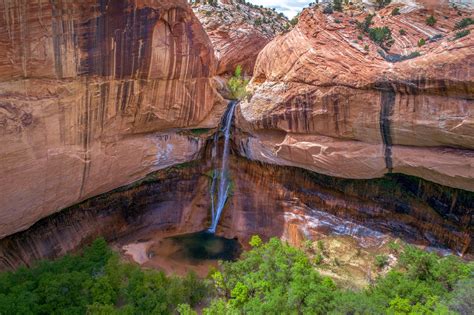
(239, 31)
(327, 98)
(267, 200)
(92, 97)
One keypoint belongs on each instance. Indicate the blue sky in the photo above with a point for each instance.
(289, 7)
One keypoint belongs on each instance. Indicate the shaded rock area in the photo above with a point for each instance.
(267, 200)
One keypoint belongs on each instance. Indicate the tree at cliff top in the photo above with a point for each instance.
(238, 84)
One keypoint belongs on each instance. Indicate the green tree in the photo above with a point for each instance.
(237, 84)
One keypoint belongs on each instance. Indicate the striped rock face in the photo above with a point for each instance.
(91, 96)
(325, 97)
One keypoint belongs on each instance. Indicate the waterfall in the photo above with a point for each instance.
(222, 181)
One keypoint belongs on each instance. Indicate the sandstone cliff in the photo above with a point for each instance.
(327, 98)
(239, 31)
(91, 93)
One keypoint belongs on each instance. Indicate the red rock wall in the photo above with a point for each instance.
(91, 93)
(326, 100)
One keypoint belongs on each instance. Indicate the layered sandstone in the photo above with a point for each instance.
(327, 98)
(267, 200)
(91, 96)
(239, 31)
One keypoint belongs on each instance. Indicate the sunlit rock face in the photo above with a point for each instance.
(326, 100)
(239, 31)
(91, 96)
(267, 200)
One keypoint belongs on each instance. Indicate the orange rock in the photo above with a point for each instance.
(91, 96)
(325, 100)
(238, 32)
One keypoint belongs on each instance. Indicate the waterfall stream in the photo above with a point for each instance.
(222, 179)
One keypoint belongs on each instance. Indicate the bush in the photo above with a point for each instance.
(328, 9)
(462, 34)
(237, 84)
(382, 3)
(396, 11)
(421, 42)
(337, 5)
(431, 20)
(463, 23)
(402, 32)
(381, 261)
(381, 35)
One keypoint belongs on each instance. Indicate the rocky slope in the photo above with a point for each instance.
(327, 98)
(91, 96)
(239, 31)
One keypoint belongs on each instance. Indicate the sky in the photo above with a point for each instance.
(288, 7)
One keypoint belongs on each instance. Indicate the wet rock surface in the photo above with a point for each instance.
(92, 94)
(267, 200)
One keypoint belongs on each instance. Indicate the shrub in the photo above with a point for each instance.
(380, 35)
(461, 34)
(421, 42)
(237, 84)
(381, 261)
(294, 21)
(360, 37)
(463, 23)
(337, 5)
(328, 9)
(402, 32)
(396, 11)
(431, 20)
(365, 26)
(382, 3)
(392, 245)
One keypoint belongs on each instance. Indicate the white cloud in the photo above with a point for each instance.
(288, 7)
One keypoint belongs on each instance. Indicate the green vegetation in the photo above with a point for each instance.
(328, 9)
(402, 32)
(95, 282)
(381, 36)
(431, 20)
(461, 34)
(275, 278)
(396, 11)
(237, 84)
(199, 131)
(421, 42)
(381, 261)
(337, 5)
(271, 278)
(294, 21)
(463, 23)
(382, 3)
(365, 26)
